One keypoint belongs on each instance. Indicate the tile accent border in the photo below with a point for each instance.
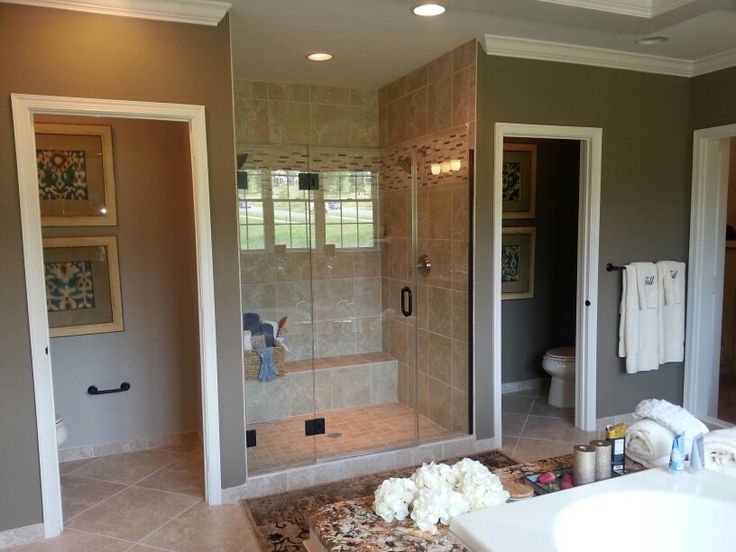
(106, 449)
(21, 535)
(326, 472)
(525, 385)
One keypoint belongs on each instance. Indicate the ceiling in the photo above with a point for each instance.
(377, 41)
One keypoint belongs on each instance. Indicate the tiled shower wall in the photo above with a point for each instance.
(433, 111)
(333, 305)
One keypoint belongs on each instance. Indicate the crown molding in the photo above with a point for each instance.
(198, 12)
(509, 46)
(716, 62)
(635, 8)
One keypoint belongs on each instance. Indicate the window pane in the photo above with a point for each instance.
(350, 235)
(329, 183)
(349, 212)
(255, 237)
(365, 212)
(282, 236)
(333, 234)
(299, 239)
(365, 235)
(281, 213)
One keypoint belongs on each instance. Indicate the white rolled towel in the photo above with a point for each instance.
(720, 450)
(649, 443)
(673, 417)
(247, 345)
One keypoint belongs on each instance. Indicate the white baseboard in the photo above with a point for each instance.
(106, 449)
(21, 535)
(344, 468)
(601, 423)
(525, 385)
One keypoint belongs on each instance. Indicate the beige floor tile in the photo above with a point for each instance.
(79, 494)
(509, 446)
(126, 468)
(535, 449)
(517, 404)
(542, 408)
(68, 467)
(185, 475)
(132, 514)
(513, 424)
(555, 429)
(74, 541)
(203, 528)
(190, 447)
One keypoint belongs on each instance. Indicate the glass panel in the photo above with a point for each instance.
(364, 346)
(276, 233)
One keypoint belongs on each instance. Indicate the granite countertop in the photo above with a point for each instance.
(352, 525)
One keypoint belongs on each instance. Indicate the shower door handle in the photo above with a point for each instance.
(406, 307)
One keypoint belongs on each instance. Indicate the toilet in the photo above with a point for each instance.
(560, 364)
(61, 431)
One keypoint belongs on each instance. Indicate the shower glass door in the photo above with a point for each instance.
(276, 207)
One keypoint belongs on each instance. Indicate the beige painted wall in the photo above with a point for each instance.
(65, 53)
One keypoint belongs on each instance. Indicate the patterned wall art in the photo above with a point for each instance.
(76, 182)
(517, 262)
(519, 175)
(82, 285)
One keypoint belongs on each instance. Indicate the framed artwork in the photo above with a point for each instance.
(76, 180)
(82, 285)
(517, 263)
(519, 175)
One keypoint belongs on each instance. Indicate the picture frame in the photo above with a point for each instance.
(76, 177)
(519, 181)
(517, 262)
(82, 285)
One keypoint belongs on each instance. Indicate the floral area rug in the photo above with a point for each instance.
(280, 518)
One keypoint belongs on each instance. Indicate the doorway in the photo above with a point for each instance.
(590, 140)
(25, 109)
(705, 304)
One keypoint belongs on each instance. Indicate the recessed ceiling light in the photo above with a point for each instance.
(651, 40)
(319, 56)
(428, 10)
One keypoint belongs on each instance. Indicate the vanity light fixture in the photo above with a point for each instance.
(428, 9)
(446, 166)
(455, 164)
(319, 56)
(651, 40)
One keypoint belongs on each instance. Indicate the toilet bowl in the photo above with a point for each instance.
(61, 431)
(560, 364)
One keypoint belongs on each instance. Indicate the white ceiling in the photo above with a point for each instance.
(377, 41)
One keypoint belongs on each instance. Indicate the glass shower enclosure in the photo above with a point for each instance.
(357, 261)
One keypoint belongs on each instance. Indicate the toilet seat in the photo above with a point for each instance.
(561, 353)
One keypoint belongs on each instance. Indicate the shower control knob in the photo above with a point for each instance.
(425, 264)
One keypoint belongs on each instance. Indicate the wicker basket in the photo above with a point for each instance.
(252, 362)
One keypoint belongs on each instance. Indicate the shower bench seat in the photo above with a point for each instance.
(333, 382)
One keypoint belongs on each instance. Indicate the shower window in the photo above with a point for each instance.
(274, 211)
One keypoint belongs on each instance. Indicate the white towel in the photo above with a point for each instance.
(649, 443)
(638, 333)
(720, 450)
(673, 417)
(247, 344)
(671, 315)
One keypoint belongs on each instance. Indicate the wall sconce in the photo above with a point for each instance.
(446, 166)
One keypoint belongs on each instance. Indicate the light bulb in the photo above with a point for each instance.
(455, 164)
(436, 168)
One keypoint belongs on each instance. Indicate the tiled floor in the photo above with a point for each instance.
(532, 429)
(282, 442)
(144, 501)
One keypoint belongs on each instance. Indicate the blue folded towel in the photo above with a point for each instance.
(252, 322)
(268, 368)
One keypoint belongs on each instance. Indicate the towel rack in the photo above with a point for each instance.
(610, 267)
(92, 389)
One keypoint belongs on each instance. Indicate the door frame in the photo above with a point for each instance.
(708, 209)
(591, 148)
(24, 107)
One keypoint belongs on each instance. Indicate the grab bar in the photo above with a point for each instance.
(92, 389)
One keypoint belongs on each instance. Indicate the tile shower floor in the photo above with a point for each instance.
(282, 442)
(532, 429)
(144, 501)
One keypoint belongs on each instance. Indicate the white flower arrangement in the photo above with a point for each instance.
(436, 493)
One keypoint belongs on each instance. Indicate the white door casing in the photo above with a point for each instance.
(705, 275)
(24, 107)
(591, 148)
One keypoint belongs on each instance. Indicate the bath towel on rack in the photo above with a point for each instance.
(671, 316)
(638, 328)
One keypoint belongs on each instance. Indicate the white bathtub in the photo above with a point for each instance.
(655, 510)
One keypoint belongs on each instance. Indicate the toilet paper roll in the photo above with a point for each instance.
(583, 464)
(602, 459)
